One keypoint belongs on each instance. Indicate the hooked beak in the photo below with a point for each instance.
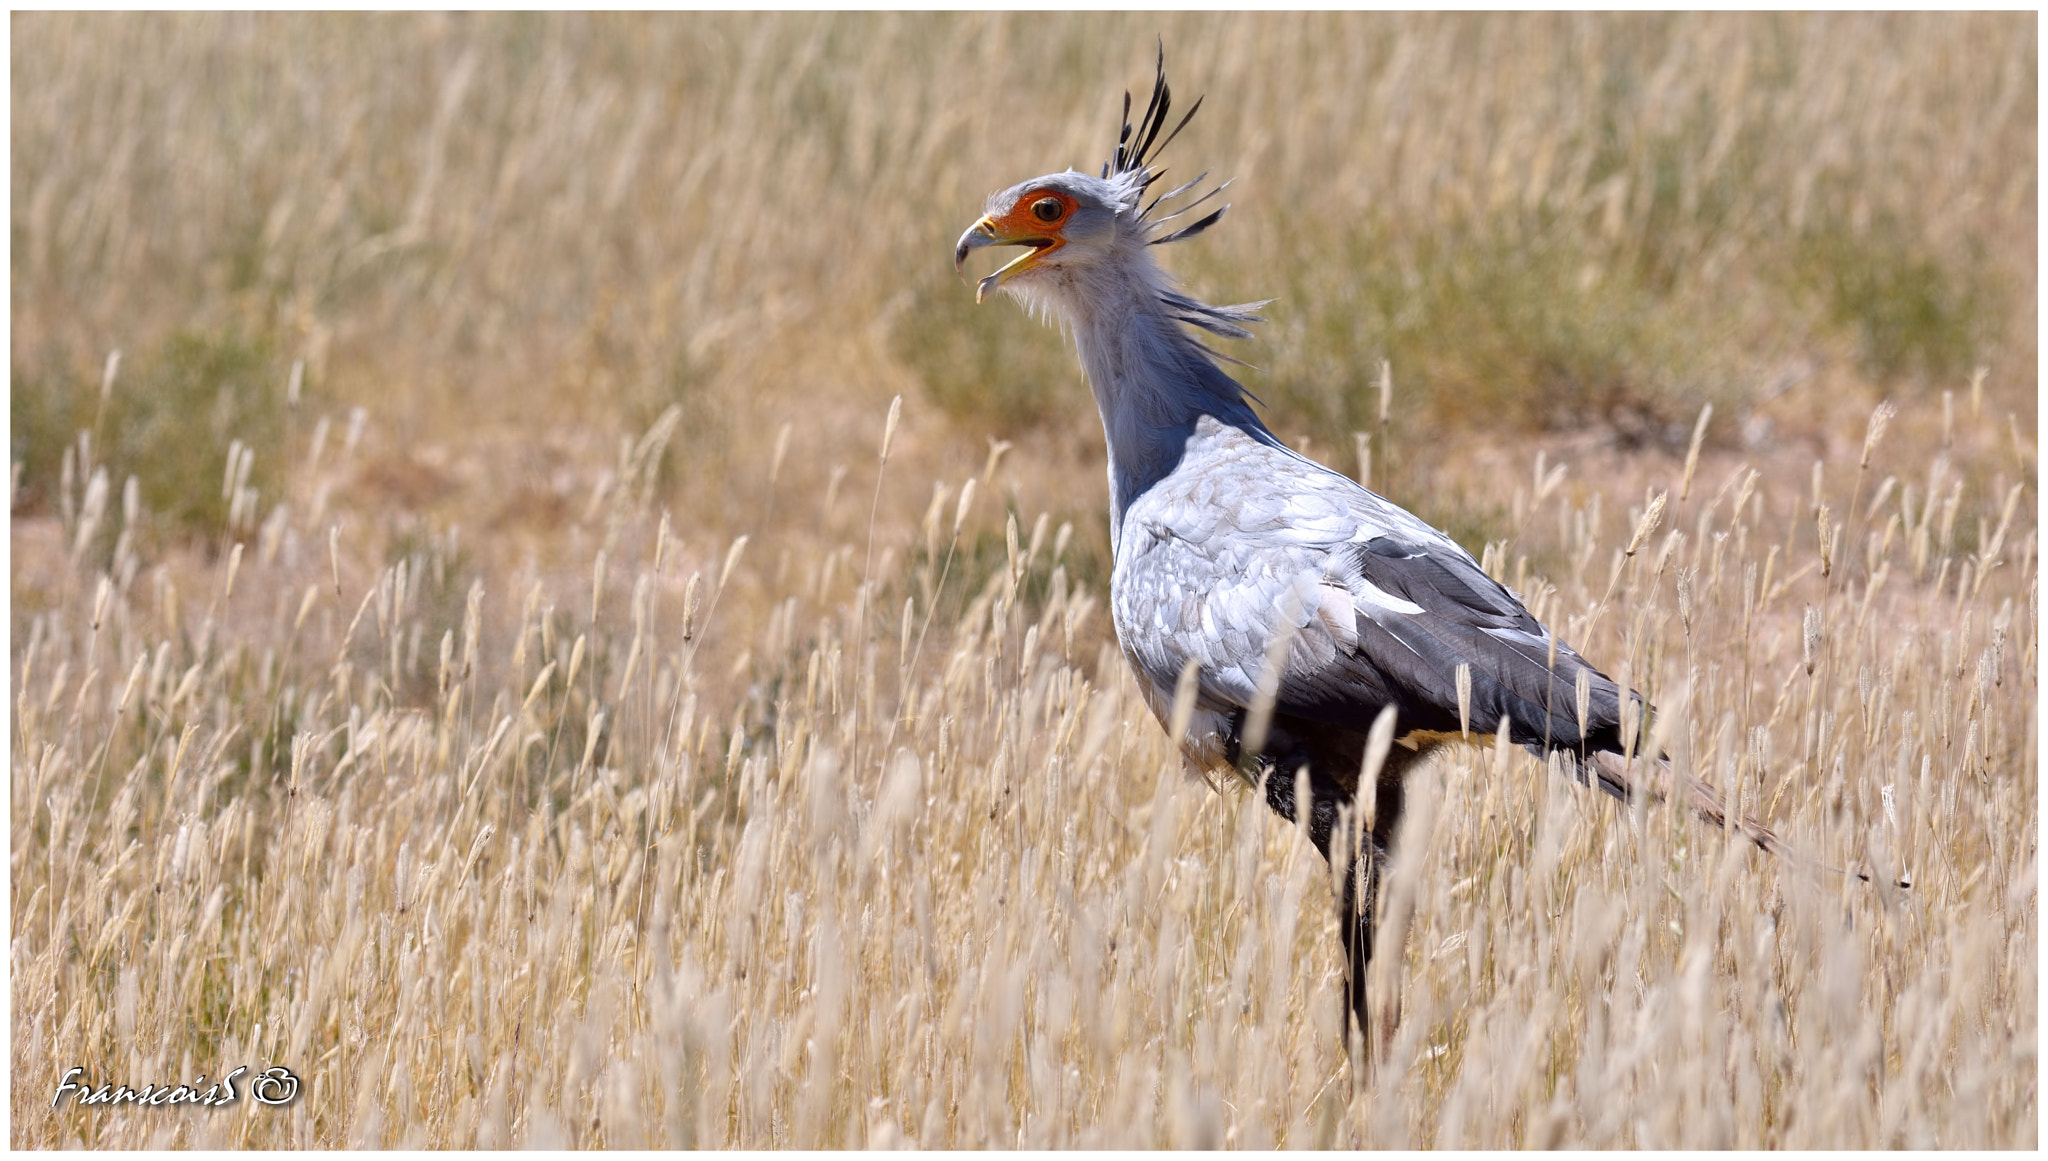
(986, 233)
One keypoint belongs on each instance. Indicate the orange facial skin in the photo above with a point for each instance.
(1025, 218)
(1035, 221)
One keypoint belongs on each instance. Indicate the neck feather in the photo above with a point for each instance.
(1153, 382)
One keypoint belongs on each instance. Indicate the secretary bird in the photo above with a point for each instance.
(1240, 562)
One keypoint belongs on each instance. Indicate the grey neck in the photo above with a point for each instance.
(1153, 383)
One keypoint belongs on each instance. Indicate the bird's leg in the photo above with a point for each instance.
(1355, 906)
(1334, 827)
(1292, 764)
(1390, 797)
(1326, 801)
(1358, 909)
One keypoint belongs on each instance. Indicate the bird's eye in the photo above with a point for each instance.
(1047, 209)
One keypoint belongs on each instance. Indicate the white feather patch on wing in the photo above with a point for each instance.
(1375, 599)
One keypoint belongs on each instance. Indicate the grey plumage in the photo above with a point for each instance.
(1244, 540)
(1226, 541)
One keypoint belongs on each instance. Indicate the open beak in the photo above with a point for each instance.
(986, 233)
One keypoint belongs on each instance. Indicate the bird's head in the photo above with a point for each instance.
(1072, 223)
(1068, 222)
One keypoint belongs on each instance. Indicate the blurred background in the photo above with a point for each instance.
(514, 240)
(467, 644)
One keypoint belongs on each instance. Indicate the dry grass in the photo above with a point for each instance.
(465, 760)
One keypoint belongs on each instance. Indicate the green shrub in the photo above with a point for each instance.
(45, 413)
(1491, 330)
(1913, 316)
(169, 421)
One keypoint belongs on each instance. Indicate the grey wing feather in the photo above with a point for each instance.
(1381, 609)
(1457, 615)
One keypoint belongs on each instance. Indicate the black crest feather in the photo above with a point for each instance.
(1137, 148)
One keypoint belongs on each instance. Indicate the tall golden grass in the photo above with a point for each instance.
(593, 714)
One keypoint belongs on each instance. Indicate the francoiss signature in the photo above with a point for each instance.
(276, 1085)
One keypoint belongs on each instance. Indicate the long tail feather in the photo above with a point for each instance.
(1625, 779)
